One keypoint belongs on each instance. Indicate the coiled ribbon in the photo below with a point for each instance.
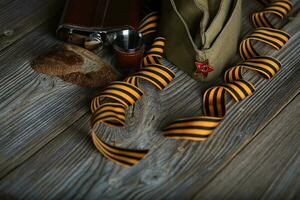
(110, 106)
(214, 106)
(278, 8)
(149, 24)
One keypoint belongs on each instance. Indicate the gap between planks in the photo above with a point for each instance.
(269, 164)
(3, 175)
(21, 18)
(244, 146)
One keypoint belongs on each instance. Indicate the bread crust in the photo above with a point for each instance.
(76, 65)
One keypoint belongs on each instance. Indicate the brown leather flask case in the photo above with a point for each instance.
(91, 20)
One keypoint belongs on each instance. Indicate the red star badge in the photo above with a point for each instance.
(203, 68)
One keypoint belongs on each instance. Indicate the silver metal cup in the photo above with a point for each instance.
(128, 41)
(129, 50)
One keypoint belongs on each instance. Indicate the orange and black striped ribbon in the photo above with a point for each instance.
(156, 52)
(214, 98)
(194, 128)
(213, 101)
(110, 106)
(122, 156)
(265, 66)
(149, 24)
(273, 37)
(214, 109)
(279, 8)
(152, 60)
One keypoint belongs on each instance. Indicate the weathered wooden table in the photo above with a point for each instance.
(47, 153)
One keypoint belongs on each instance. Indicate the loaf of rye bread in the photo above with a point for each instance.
(75, 65)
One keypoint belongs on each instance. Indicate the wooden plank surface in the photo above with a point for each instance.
(46, 151)
(18, 18)
(268, 168)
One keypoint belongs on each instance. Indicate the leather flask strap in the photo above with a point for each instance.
(129, 60)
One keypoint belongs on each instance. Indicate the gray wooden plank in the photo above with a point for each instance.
(42, 105)
(84, 171)
(69, 166)
(27, 98)
(268, 168)
(17, 18)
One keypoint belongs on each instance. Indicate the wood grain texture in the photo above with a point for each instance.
(268, 168)
(46, 152)
(34, 100)
(18, 18)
